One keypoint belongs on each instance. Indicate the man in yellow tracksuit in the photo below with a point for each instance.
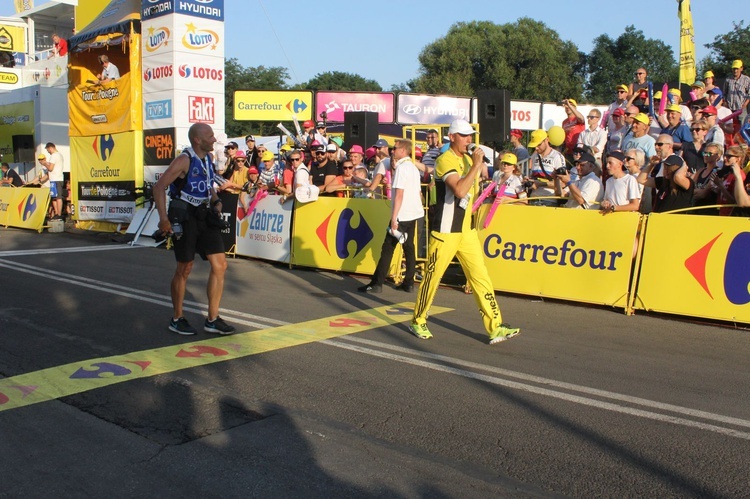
(457, 184)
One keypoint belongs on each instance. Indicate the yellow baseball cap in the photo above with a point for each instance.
(268, 156)
(736, 64)
(572, 101)
(708, 74)
(674, 107)
(657, 94)
(676, 92)
(643, 118)
(622, 87)
(537, 137)
(41, 156)
(509, 157)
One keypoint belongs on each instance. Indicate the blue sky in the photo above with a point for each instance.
(382, 40)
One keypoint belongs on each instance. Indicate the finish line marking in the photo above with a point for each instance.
(70, 379)
(77, 249)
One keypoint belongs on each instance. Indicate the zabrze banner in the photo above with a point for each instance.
(264, 233)
(697, 269)
(560, 253)
(105, 171)
(340, 234)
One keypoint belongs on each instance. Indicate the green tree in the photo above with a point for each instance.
(612, 62)
(526, 58)
(726, 48)
(340, 82)
(237, 77)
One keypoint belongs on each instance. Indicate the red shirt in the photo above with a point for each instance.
(62, 47)
(572, 130)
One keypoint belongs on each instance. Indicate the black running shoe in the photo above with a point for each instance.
(181, 326)
(217, 326)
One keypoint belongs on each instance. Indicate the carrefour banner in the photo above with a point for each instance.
(339, 233)
(15, 119)
(576, 255)
(23, 207)
(272, 105)
(106, 170)
(696, 269)
(264, 232)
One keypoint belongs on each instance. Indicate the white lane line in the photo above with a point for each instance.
(163, 300)
(543, 391)
(559, 384)
(55, 251)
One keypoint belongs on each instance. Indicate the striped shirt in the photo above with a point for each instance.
(449, 215)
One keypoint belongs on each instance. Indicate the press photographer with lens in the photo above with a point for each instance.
(196, 209)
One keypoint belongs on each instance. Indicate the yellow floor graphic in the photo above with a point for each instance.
(61, 381)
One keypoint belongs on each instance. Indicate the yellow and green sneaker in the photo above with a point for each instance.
(503, 332)
(420, 331)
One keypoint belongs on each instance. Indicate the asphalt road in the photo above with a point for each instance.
(585, 402)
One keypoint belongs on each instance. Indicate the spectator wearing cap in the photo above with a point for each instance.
(322, 171)
(594, 136)
(675, 97)
(370, 158)
(507, 176)
(357, 154)
(544, 161)
(621, 192)
(249, 190)
(715, 133)
(638, 90)
(573, 125)
(269, 178)
(737, 88)
(230, 150)
(675, 127)
(238, 175)
(332, 153)
(617, 131)
(638, 137)
(382, 172)
(698, 88)
(320, 133)
(308, 132)
(518, 148)
(253, 157)
(586, 192)
(716, 98)
(708, 80)
(621, 102)
(674, 190)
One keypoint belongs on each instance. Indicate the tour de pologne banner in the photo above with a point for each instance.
(105, 171)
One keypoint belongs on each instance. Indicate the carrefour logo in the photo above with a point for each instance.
(27, 207)
(103, 146)
(346, 233)
(199, 39)
(296, 106)
(736, 268)
(188, 71)
(157, 38)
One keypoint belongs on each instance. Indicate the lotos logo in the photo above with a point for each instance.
(157, 73)
(187, 71)
(27, 207)
(736, 268)
(157, 38)
(346, 233)
(199, 39)
(296, 106)
(103, 146)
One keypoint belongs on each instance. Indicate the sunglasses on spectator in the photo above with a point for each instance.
(640, 73)
(706, 153)
(319, 153)
(622, 91)
(631, 114)
(659, 144)
(629, 158)
(697, 130)
(505, 163)
(730, 156)
(294, 159)
(592, 117)
(348, 168)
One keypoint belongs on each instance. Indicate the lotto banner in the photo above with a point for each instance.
(339, 233)
(264, 233)
(576, 255)
(105, 170)
(23, 207)
(695, 268)
(181, 33)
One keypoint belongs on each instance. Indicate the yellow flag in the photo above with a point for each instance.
(687, 43)
(23, 5)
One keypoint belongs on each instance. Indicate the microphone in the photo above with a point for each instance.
(470, 150)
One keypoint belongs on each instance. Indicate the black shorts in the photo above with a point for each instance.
(197, 237)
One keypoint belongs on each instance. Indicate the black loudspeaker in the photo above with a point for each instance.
(23, 148)
(361, 128)
(493, 107)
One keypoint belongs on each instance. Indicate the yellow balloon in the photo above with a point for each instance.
(556, 135)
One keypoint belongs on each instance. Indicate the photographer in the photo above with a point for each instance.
(585, 193)
(544, 162)
(195, 210)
